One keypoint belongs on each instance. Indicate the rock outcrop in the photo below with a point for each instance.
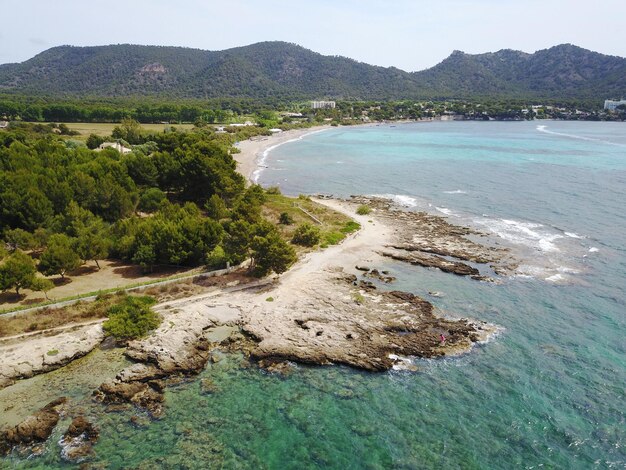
(181, 346)
(431, 241)
(34, 429)
(45, 352)
(333, 321)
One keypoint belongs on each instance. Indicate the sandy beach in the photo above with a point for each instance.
(252, 150)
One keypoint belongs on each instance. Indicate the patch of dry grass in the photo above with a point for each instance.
(53, 318)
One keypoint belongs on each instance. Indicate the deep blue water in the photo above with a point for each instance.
(548, 392)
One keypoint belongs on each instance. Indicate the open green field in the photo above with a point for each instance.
(105, 128)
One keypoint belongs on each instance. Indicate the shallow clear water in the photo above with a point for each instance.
(549, 390)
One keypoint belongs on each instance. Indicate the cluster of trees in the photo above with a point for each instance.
(176, 199)
(25, 108)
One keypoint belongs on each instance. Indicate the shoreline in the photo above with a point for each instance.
(249, 160)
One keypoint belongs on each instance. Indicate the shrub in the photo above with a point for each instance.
(306, 235)
(131, 318)
(350, 227)
(273, 190)
(285, 219)
(216, 258)
(364, 210)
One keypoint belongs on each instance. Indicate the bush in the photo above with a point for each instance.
(285, 219)
(364, 210)
(216, 258)
(306, 235)
(131, 318)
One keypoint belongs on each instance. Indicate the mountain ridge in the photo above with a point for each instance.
(276, 69)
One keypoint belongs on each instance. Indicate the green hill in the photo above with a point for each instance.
(287, 71)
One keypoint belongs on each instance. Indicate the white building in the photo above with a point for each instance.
(611, 105)
(116, 145)
(323, 104)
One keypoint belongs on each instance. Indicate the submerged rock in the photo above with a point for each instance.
(77, 442)
(34, 429)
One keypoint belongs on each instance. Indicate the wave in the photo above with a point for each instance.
(456, 191)
(545, 130)
(573, 235)
(522, 233)
(444, 210)
(593, 249)
(399, 199)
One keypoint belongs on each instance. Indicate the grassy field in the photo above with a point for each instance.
(105, 128)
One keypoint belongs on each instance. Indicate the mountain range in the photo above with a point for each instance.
(280, 70)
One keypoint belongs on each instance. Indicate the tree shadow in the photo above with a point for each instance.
(10, 298)
(133, 271)
(36, 300)
(84, 270)
(61, 281)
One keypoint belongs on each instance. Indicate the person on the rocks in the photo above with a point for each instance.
(442, 337)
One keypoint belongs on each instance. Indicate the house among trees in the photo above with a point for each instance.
(116, 145)
(4, 124)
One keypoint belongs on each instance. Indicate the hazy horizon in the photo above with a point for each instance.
(410, 35)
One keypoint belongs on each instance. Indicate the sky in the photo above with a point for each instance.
(409, 34)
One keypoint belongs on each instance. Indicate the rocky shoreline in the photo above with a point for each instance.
(325, 310)
(432, 242)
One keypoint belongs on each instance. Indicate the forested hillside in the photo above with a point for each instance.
(278, 70)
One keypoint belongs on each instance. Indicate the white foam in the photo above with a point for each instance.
(555, 278)
(573, 235)
(261, 159)
(399, 199)
(456, 191)
(444, 210)
(522, 233)
(593, 249)
(578, 137)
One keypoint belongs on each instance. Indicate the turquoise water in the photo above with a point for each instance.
(548, 392)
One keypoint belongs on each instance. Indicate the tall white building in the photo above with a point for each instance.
(610, 105)
(323, 104)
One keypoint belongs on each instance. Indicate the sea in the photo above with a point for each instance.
(548, 391)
